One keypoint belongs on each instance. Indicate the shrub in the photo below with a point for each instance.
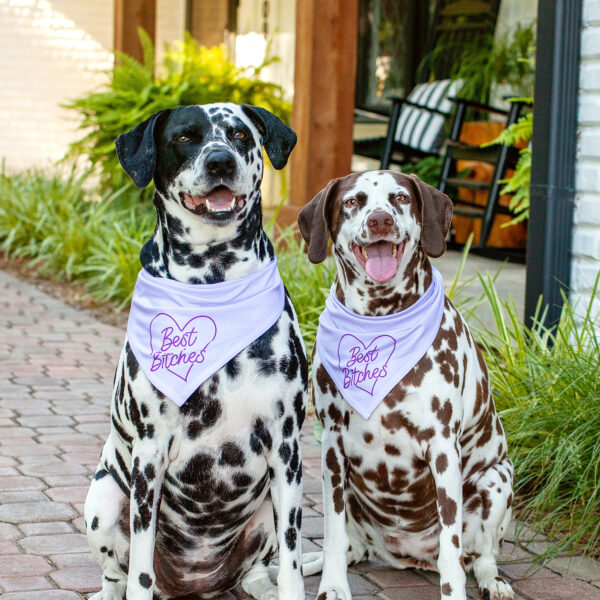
(190, 74)
(546, 385)
(54, 221)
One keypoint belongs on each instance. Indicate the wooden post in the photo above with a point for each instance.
(323, 112)
(129, 15)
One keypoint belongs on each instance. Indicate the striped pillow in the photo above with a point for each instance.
(419, 128)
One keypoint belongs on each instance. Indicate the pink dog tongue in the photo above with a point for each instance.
(220, 199)
(381, 265)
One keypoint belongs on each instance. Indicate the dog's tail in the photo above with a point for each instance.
(312, 563)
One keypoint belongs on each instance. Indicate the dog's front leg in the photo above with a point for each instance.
(445, 464)
(286, 493)
(334, 581)
(149, 461)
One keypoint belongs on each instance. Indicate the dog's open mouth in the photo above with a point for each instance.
(380, 260)
(219, 203)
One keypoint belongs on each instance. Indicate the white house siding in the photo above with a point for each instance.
(52, 51)
(586, 231)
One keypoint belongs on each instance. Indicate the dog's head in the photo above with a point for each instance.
(206, 163)
(377, 221)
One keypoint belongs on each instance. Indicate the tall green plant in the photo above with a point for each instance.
(189, 74)
(546, 384)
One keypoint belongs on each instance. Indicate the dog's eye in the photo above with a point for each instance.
(239, 135)
(183, 138)
(351, 202)
(401, 198)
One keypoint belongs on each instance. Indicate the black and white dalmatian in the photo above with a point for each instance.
(188, 502)
(425, 481)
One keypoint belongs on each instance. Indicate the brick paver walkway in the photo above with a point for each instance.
(56, 366)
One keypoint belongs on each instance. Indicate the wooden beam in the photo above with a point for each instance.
(324, 82)
(129, 15)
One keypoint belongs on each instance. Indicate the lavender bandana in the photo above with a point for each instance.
(367, 356)
(183, 333)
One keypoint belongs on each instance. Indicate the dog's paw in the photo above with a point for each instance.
(334, 592)
(260, 588)
(496, 589)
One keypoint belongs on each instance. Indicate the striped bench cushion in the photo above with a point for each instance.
(419, 128)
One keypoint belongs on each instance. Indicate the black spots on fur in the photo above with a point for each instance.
(143, 495)
(295, 518)
(288, 427)
(285, 452)
(299, 409)
(145, 580)
(280, 409)
(94, 524)
(255, 444)
(100, 474)
(198, 469)
(149, 472)
(232, 369)
(132, 364)
(232, 455)
(194, 429)
(135, 416)
(206, 410)
(144, 409)
(263, 435)
(262, 350)
(242, 480)
(291, 535)
(163, 408)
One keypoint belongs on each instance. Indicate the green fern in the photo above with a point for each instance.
(518, 184)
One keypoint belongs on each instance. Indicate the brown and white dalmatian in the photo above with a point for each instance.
(189, 501)
(425, 481)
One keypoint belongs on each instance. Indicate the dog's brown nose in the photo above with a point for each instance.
(380, 223)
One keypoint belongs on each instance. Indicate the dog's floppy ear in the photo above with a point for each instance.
(278, 139)
(436, 217)
(136, 150)
(313, 222)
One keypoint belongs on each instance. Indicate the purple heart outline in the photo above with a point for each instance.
(207, 332)
(344, 356)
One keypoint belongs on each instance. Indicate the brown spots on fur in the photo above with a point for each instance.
(447, 507)
(448, 366)
(416, 375)
(441, 463)
(335, 414)
(391, 450)
(455, 541)
(443, 413)
(396, 396)
(396, 420)
(333, 464)
(368, 437)
(339, 292)
(446, 589)
(324, 381)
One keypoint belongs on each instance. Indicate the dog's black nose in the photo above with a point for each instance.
(380, 223)
(220, 163)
